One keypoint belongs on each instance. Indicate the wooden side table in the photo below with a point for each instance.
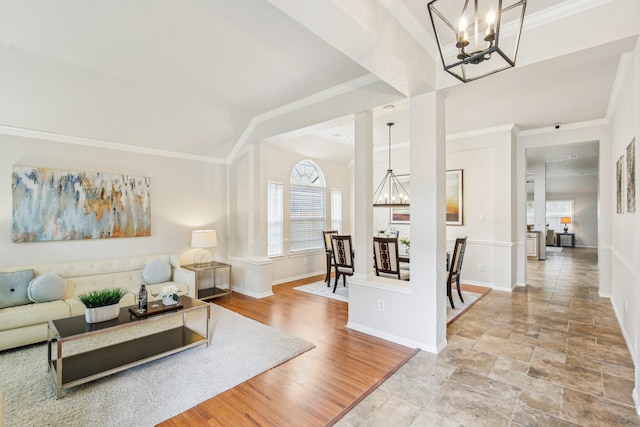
(205, 275)
(566, 240)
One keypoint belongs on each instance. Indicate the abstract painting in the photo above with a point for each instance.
(52, 204)
(454, 197)
(619, 178)
(631, 176)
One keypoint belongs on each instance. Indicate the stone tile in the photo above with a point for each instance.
(512, 365)
(618, 389)
(487, 385)
(506, 348)
(402, 413)
(569, 375)
(590, 349)
(460, 341)
(601, 366)
(460, 404)
(588, 410)
(358, 415)
(468, 358)
(553, 391)
(526, 416)
(551, 355)
(540, 402)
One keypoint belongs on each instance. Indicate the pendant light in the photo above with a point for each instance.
(390, 193)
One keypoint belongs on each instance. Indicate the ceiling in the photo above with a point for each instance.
(203, 78)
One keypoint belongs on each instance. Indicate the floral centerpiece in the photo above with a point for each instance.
(170, 295)
(407, 242)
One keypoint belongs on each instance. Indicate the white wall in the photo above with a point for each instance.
(624, 279)
(185, 195)
(488, 198)
(262, 163)
(585, 221)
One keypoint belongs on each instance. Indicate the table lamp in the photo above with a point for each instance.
(203, 239)
(565, 220)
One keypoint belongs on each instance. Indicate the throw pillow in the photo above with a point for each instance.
(47, 287)
(13, 288)
(156, 271)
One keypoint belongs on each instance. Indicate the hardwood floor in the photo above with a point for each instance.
(313, 389)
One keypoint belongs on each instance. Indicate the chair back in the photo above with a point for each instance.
(456, 259)
(385, 256)
(327, 239)
(342, 250)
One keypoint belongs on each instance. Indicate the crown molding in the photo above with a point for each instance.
(407, 19)
(97, 143)
(624, 68)
(340, 89)
(486, 131)
(565, 127)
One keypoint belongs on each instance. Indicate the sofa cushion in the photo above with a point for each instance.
(47, 287)
(156, 271)
(13, 288)
(32, 314)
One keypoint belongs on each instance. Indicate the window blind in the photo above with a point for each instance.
(275, 219)
(336, 210)
(307, 207)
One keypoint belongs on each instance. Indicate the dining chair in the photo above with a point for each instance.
(342, 257)
(329, 253)
(385, 258)
(455, 267)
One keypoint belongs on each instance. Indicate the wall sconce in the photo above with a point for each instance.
(203, 239)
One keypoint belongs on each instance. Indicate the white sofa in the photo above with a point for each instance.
(27, 324)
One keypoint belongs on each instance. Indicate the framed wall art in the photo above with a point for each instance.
(454, 197)
(619, 184)
(53, 204)
(631, 176)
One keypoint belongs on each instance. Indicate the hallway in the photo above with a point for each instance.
(550, 354)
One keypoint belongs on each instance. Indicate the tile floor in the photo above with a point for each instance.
(550, 354)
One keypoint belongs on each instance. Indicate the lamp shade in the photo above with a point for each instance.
(565, 220)
(204, 238)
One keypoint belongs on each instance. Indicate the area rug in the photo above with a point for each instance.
(342, 294)
(241, 348)
(469, 299)
(321, 289)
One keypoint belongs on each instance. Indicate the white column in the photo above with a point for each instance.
(363, 195)
(428, 214)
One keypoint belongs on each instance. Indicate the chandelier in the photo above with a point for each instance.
(390, 193)
(471, 46)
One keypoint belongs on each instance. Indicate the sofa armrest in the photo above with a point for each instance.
(186, 276)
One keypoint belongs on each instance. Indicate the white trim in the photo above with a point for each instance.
(570, 126)
(560, 11)
(340, 89)
(299, 277)
(396, 339)
(253, 294)
(627, 340)
(624, 261)
(97, 143)
(624, 67)
(408, 20)
(636, 400)
(478, 132)
(251, 260)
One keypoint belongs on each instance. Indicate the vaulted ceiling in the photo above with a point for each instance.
(203, 78)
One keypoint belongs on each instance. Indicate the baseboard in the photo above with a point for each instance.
(302, 276)
(253, 294)
(396, 339)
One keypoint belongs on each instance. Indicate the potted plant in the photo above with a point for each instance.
(103, 304)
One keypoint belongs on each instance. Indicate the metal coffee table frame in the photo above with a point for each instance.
(83, 367)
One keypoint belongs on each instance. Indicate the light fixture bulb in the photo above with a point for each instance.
(462, 24)
(491, 17)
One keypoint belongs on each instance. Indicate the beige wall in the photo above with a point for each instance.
(185, 195)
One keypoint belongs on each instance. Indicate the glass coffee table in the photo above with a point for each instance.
(79, 352)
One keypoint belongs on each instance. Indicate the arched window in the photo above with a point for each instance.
(307, 206)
